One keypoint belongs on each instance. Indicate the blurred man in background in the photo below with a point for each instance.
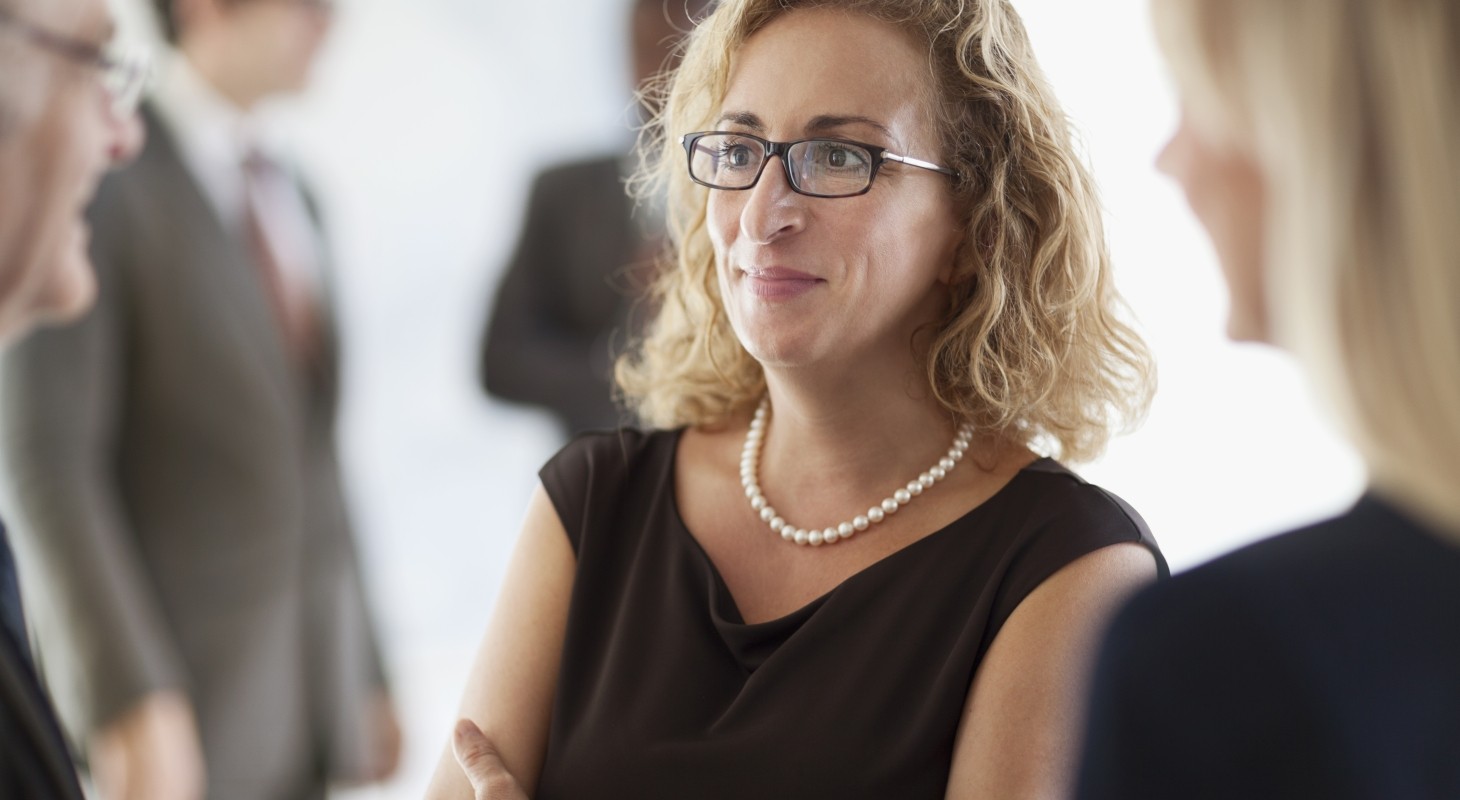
(66, 115)
(584, 257)
(170, 460)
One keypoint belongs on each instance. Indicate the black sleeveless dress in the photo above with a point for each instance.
(665, 692)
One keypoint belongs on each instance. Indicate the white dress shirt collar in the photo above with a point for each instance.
(213, 135)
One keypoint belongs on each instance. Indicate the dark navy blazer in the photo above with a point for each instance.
(34, 761)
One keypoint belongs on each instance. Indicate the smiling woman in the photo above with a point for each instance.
(844, 565)
(1030, 339)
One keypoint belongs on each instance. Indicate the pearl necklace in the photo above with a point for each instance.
(750, 467)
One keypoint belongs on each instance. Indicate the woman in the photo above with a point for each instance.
(837, 568)
(1318, 149)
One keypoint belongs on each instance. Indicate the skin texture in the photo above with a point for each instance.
(65, 137)
(875, 283)
(252, 50)
(1225, 190)
(839, 346)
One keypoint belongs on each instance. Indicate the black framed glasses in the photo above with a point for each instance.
(814, 167)
(123, 69)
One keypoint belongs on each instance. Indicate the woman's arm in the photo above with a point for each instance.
(1019, 739)
(509, 693)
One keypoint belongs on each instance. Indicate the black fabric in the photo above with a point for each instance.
(12, 614)
(34, 761)
(563, 310)
(1324, 663)
(666, 693)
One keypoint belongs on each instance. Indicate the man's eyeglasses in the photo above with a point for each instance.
(123, 70)
(815, 167)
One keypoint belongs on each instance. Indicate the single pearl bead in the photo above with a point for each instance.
(938, 473)
(889, 505)
(830, 536)
(915, 488)
(875, 514)
(844, 530)
(801, 536)
(946, 463)
(926, 479)
(814, 538)
(767, 514)
(861, 523)
(788, 533)
(777, 524)
(902, 496)
(751, 491)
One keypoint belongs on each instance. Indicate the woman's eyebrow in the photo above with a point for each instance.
(744, 119)
(828, 122)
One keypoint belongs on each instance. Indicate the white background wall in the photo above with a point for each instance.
(425, 124)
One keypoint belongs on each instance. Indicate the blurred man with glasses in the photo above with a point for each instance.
(66, 116)
(170, 461)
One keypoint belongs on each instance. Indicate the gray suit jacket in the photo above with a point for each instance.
(175, 500)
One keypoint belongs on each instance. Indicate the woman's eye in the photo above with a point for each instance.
(835, 156)
(734, 155)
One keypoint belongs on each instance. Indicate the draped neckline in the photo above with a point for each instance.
(723, 604)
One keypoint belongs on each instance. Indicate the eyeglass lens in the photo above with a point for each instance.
(124, 75)
(817, 166)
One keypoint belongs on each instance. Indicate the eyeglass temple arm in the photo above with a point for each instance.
(917, 162)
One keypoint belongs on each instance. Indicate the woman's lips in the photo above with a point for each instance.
(778, 282)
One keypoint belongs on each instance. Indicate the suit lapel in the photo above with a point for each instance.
(23, 701)
(235, 286)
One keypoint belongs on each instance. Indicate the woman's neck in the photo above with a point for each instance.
(872, 435)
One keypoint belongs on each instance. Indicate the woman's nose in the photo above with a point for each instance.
(773, 209)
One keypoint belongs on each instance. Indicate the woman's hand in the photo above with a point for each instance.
(152, 752)
(483, 766)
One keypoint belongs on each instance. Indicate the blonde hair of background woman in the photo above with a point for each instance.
(1350, 109)
(1032, 347)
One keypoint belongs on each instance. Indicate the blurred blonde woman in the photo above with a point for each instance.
(1318, 149)
(836, 564)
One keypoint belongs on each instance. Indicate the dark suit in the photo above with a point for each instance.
(176, 501)
(563, 308)
(34, 762)
(1323, 663)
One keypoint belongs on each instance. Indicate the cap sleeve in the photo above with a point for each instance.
(1075, 519)
(588, 476)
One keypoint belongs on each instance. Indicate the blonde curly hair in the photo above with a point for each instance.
(1032, 346)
